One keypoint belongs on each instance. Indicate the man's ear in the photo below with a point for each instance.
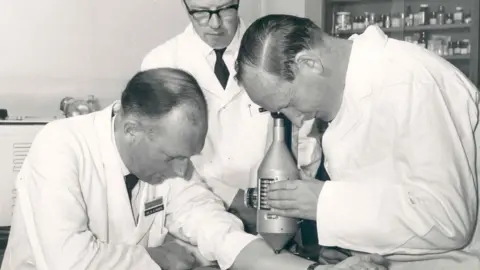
(132, 129)
(308, 61)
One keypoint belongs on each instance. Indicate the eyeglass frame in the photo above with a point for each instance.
(211, 12)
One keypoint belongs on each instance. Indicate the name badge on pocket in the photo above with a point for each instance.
(154, 206)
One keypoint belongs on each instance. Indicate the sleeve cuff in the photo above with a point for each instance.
(234, 243)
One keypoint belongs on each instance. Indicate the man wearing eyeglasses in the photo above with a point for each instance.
(239, 131)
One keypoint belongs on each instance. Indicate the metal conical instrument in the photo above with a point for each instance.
(277, 165)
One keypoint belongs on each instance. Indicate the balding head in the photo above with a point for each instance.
(155, 93)
(162, 123)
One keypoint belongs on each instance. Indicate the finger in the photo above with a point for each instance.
(329, 261)
(283, 185)
(332, 254)
(323, 261)
(191, 259)
(285, 213)
(369, 266)
(281, 195)
(282, 204)
(377, 259)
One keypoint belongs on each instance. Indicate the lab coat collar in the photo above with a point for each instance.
(197, 60)
(122, 227)
(367, 51)
(124, 168)
(206, 50)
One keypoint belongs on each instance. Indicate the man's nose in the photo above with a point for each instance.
(215, 21)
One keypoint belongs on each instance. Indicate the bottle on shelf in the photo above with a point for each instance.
(408, 16)
(457, 48)
(441, 15)
(366, 18)
(467, 18)
(458, 15)
(423, 15)
(433, 18)
(450, 48)
(396, 20)
(422, 41)
(449, 18)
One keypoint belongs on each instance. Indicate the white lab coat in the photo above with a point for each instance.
(73, 212)
(401, 156)
(238, 135)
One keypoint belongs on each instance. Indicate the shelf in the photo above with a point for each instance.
(414, 28)
(457, 57)
(355, 1)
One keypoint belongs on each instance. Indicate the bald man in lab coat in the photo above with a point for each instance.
(101, 191)
(401, 146)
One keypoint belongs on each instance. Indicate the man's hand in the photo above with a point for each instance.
(333, 255)
(247, 215)
(172, 256)
(295, 198)
(363, 262)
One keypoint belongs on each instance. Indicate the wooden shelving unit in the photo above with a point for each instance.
(469, 64)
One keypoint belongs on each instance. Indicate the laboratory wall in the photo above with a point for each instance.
(50, 49)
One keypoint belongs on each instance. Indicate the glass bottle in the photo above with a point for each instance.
(458, 15)
(467, 18)
(387, 23)
(408, 16)
(396, 20)
(361, 22)
(422, 41)
(450, 48)
(433, 18)
(441, 15)
(457, 48)
(449, 18)
(423, 14)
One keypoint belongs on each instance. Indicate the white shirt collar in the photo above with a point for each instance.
(125, 171)
(206, 50)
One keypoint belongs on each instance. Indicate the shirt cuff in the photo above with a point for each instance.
(234, 243)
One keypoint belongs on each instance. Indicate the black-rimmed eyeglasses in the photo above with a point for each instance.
(203, 16)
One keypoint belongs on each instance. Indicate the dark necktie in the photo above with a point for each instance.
(287, 124)
(131, 181)
(221, 70)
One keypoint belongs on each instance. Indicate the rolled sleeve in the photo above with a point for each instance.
(195, 215)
